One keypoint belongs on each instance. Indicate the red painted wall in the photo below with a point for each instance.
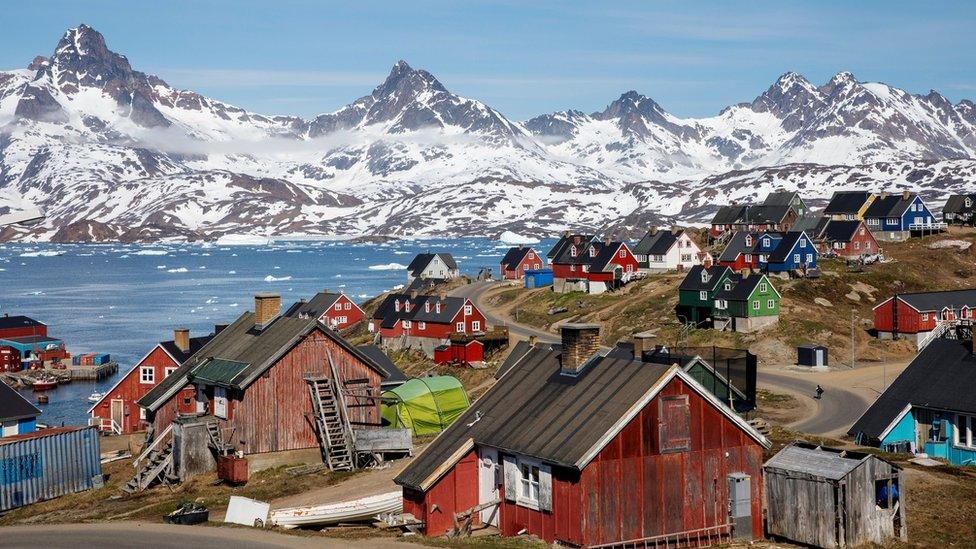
(130, 389)
(270, 416)
(909, 320)
(533, 262)
(630, 490)
(438, 330)
(866, 244)
(23, 331)
(353, 314)
(10, 359)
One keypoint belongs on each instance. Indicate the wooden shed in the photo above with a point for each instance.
(827, 497)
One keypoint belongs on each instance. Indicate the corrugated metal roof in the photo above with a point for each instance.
(846, 202)
(217, 371)
(817, 461)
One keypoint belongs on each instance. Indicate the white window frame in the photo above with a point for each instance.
(475, 325)
(721, 304)
(622, 254)
(145, 379)
(220, 402)
(459, 327)
(406, 324)
(803, 243)
(770, 303)
(421, 325)
(527, 492)
(347, 306)
(748, 258)
(796, 258)
(755, 305)
(764, 287)
(703, 295)
(467, 309)
(169, 371)
(809, 258)
(338, 306)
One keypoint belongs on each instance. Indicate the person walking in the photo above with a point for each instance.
(820, 391)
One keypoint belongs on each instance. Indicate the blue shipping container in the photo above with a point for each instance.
(76, 360)
(49, 464)
(103, 358)
(538, 278)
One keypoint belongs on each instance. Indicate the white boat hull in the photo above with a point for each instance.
(334, 513)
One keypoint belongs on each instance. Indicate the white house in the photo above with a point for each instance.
(661, 251)
(440, 266)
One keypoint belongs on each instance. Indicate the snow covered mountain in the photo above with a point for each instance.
(113, 153)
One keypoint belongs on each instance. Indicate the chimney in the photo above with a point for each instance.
(413, 294)
(267, 307)
(653, 229)
(532, 340)
(579, 343)
(905, 194)
(442, 295)
(566, 233)
(181, 337)
(675, 229)
(326, 291)
(643, 341)
(606, 240)
(219, 328)
(883, 195)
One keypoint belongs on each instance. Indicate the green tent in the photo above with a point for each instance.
(425, 405)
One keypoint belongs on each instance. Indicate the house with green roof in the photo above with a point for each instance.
(717, 297)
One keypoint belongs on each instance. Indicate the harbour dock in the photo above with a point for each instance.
(96, 372)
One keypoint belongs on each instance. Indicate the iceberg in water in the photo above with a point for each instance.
(150, 251)
(270, 278)
(243, 240)
(387, 267)
(508, 237)
(177, 270)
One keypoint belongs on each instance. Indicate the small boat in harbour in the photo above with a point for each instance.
(363, 509)
(95, 397)
(44, 384)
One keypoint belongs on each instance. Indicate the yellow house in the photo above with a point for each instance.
(848, 205)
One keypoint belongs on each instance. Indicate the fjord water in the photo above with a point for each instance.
(122, 299)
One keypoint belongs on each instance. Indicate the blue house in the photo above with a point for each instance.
(785, 252)
(17, 416)
(930, 408)
(896, 217)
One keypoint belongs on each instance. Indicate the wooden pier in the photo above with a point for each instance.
(98, 372)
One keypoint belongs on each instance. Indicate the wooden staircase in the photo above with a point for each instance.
(331, 418)
(217, 443)
(157, 467)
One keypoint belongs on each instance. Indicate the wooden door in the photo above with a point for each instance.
(488, 483)
(118, 412)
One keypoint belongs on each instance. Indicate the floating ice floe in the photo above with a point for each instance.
(508, 237)
(151, 251)
(232, 272)
(387, 267)
(270, 278)
(42, 253)
(243, 240)
(178, 270)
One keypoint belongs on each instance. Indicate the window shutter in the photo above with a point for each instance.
(674, 423)
(511, 477)
(545, 488)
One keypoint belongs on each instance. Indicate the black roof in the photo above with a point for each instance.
(564, 240)
(785, 246)
(26, 340)
(727, 215)
(780, 198)
(18, 321)
(422, 260)
(693, 279)
(936, 301)
(737, 245)
(751, 213)
(657, 243)
(392, 374)
(941, 377)
(892, 205)
(514, 256)
(841, 231)
(846, 202)
(313, 308)
(388, 314)
(559, 418)
(243, 343)
(196, 343)
(520, 349)
(605, 252)
(742, 287)
(957, 203)
(14, 406)
(814, 226)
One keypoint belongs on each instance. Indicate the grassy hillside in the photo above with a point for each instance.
(813, 311)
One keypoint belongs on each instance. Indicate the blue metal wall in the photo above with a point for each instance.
(48, 466)
(538, 278)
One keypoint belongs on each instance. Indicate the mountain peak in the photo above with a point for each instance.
(405, 79)
(840, 83)
(793, 81)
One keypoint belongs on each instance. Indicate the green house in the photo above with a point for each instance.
(746, 304)
(696, 293)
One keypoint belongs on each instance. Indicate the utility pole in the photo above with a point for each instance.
(853, 359)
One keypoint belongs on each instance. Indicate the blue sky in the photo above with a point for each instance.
(523, 58)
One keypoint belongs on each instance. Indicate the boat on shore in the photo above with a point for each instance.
(95, 397)
(44, 384)
(357, 510)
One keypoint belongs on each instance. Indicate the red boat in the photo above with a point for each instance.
(44, 385)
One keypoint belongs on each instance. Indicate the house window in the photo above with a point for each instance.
(674, 423)
(703, 295)
(572, 268)
(147, 374)
(748, 241)
(592, 251)
(721, 304)
(422, 325)
(704, 276)
(459, 327)
(763, 287)
(623, 253)
(803, 243)
(963, 434)
(755, 305)
(809, 258)
(857, 245)
(728, 285)
(685, 258)
(406, 324)
(630, 268)
(748, 258)
(467, 309)
(796, 258)
(572, 251)
(169, 370)
(142, 413)
(770, 304)
(766, 242)
(531, 255)
(529, 483)
(427, 307)
(396, 305)
(872, 221)
(925, 317)
(220, 402)
(338, 306)
(476, 325)
(892, 221)
(348, 306)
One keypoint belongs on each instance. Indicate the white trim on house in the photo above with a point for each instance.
(129, 373)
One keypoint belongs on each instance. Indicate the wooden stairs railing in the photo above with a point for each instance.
(332, 421)
(155, 463)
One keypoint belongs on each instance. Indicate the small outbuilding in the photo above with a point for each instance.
(463, 353)
(811, 355)
(828, 497)
(538, 278)
(425, 405)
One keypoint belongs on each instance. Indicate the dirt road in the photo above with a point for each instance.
(475, 290)
(164, 536)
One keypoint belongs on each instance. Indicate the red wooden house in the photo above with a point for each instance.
(655, 462)
(251, 378)
(848, 239)
(914, 314)
(21, 326)
(517, 260)
(117, 410)
(464, 353)
(425, 321)
(592, 267)
(333, 310)
(10, 359)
